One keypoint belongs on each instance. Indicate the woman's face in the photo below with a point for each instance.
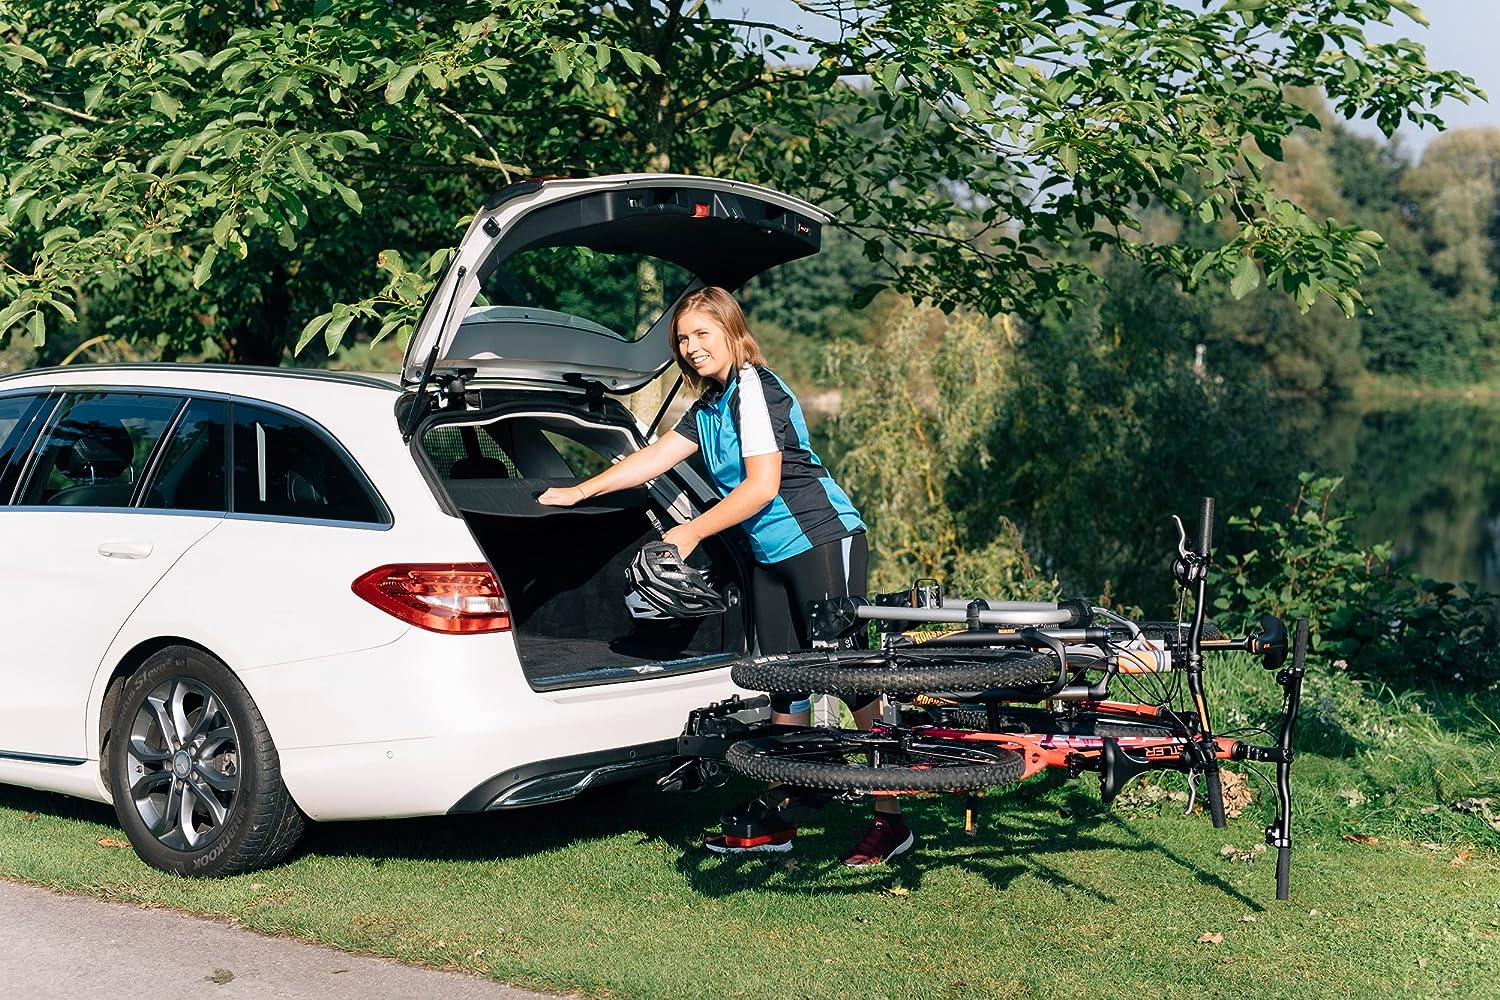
(704, 344)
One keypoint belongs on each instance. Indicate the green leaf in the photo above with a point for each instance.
(222, 229)
(866, 294)
(310, 331)
(1246, 278)
(1412, 11)
(349, 197)
(15, 203)
(396, 89)
(166, 104)
(38, 328)
(205, 265)
(92, 93)
(301, 162)
(333, 336)
(11, 313)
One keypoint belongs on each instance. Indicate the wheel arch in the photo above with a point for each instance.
(124, 669)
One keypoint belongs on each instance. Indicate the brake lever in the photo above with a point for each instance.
(1192, 782)
(1189, 567)
(1182, 542)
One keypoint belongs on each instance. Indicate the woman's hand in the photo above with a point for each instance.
(562, 496)
(685, 537)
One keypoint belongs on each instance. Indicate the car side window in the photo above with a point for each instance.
(96, 449)
(18, 420)
(284, 468)
(192, 474)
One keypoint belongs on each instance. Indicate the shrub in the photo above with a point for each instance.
(1402, 630)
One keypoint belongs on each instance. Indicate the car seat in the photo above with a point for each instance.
(99, 461)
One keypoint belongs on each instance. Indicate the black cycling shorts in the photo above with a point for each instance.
(782, 590)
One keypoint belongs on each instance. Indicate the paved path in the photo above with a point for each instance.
(55, 947)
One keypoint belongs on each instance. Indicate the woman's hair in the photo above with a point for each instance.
(720, 305)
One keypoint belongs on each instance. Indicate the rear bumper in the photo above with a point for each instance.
(564, 777)
(435, 724)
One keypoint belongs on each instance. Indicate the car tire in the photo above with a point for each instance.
(195, 776)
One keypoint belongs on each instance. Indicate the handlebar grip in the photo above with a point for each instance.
(1206, 527)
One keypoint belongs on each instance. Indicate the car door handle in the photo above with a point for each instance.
(125, 550)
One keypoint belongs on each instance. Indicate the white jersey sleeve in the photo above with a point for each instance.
(756, 434)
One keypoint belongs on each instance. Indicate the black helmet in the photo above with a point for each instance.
(659, 577)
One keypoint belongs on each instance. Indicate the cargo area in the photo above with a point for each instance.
(563, 569)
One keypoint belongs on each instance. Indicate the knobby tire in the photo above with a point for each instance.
(843, 761)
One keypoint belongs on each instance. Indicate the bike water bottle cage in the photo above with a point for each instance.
(662, 580)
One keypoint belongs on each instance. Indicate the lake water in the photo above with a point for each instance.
(1426, 477)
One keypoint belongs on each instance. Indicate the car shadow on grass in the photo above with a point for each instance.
(1029, 830)
(54, 804)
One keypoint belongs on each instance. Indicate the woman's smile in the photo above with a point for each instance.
(704, 344)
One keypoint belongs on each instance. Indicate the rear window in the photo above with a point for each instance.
(191, 472)
(624, 293)
(285, 468)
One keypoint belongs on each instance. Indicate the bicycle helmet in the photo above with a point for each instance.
(642, 609)
(661, 579)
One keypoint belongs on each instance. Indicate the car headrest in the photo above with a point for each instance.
(102, 451)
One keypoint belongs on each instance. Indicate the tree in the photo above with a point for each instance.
(241, 170)
(1455, 189)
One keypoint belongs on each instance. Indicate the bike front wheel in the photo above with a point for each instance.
(840, 760)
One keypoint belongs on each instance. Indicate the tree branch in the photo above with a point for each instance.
(82, 116)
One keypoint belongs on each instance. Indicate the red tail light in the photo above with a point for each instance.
(440, 597)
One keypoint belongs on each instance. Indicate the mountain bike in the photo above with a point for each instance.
(984, 693)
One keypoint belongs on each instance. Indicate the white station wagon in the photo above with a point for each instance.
(236, 597)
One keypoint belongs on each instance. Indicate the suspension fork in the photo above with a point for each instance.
(1191, 571)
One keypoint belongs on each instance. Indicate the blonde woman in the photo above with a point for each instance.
(806, 536)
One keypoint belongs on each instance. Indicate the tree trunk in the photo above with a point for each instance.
(262, 337)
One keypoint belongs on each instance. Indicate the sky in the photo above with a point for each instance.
(1461, 36)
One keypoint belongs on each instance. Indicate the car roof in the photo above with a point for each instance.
(235, 379)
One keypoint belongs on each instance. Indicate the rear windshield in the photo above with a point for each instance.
(624, 293)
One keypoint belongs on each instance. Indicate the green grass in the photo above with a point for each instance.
(1057, 896)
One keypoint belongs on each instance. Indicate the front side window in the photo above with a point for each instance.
(284, 468)
(97, 448)
(18, 416)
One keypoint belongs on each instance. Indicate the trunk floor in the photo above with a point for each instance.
(547, 657)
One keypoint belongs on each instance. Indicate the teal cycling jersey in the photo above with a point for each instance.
(756, 414)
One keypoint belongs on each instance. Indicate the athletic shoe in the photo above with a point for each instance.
(758, 825)
(887, 837)
(725, 844)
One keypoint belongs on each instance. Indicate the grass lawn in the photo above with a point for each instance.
(1057, 896)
